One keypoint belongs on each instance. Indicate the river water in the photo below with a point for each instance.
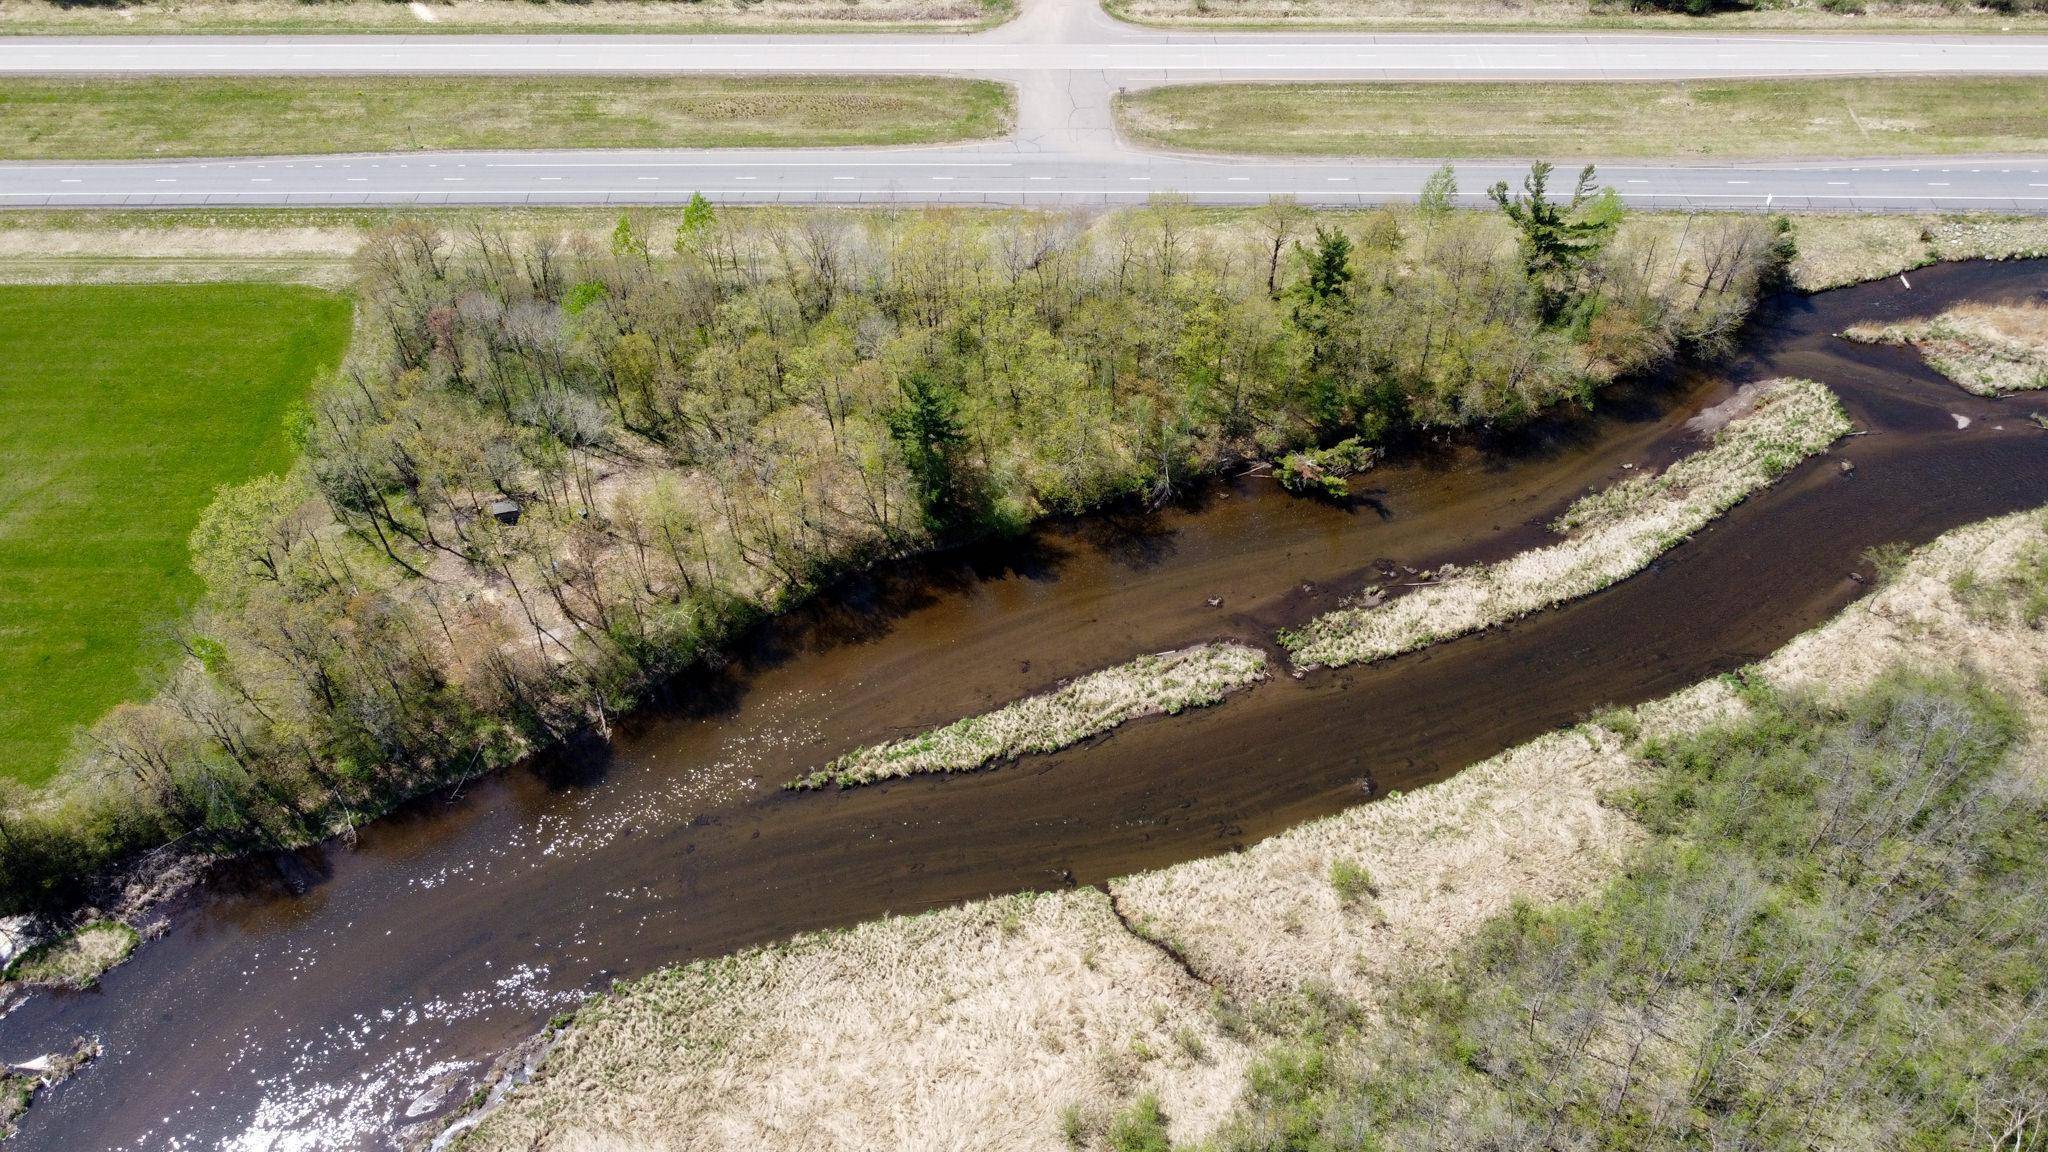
(330, 999)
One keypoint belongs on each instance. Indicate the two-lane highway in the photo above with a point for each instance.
(1066, 61)
(994, 174)
(1290, 55)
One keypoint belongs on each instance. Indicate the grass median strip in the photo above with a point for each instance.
(1989, 349)
(47, 118)
(1731, 119)
(666, 17)
(1166, 682)
(1613, 534)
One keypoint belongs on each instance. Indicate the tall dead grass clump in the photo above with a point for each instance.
(1988, 349)
(1611, 535)
(1165, 682)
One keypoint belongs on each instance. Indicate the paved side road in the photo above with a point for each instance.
(993, 174)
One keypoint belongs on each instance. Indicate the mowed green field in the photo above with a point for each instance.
(122, 408)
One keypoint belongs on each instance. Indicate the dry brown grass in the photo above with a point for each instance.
(1839, 250)
(1529, 823)
(77, 960)
(1989, 349)
(144, 251)
(1162, 683)
(1920, 615)
(970, 1028)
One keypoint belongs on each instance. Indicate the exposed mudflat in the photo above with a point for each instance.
(332, 998)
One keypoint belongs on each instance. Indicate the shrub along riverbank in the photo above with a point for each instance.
(554, 473)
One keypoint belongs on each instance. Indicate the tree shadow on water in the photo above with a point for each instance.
(1135, 538)
(579, 760)
(858, 609)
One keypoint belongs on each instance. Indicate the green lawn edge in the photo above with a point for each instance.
(122, 409)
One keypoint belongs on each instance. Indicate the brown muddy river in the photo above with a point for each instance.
(329, 1000)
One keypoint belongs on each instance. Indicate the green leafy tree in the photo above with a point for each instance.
(1558, 240)
(932, 439)
(1338, 379)
(1439, 194)
(626, 242)
(246, 536)
(695, 229)
(1329, 265)
(1322, 292)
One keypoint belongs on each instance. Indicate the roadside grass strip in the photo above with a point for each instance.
(1611, 535)
(1165, 682)
(1988, 349)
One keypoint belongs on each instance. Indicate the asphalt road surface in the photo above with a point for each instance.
(995, 174)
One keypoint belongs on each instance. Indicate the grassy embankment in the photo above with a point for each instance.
(1989, 349)
(316, 245)
(1162, 683)
(121, 410)
(1721, 119)
(1854, 16)
(1611, 535)
(93, 118)
(697, 17)
(1835, 250)
(1696, 810)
